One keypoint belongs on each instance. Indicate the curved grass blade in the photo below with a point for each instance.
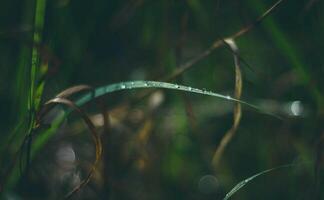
(64, 94)
(104, 90)
(246, 181)
(94, 135)
(215, 45)
(16, 172)
(155, 84)
(237, 108)
(73, 90)
(42, 138)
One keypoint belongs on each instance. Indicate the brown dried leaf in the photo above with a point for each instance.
(94, 135)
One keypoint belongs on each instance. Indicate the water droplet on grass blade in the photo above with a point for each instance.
(296, 108)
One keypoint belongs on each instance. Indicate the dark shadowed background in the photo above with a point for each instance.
(161, 146)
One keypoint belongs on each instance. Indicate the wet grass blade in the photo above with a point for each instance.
(155, 84)
(44, 136)
(179, 56)
(104, 90)
(241, 184)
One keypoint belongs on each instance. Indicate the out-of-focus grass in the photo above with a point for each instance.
(289, 49)
(98, 42)
(32, 66)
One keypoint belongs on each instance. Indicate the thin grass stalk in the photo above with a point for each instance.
(237, 107)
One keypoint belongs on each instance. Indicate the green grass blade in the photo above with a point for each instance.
(36, 64)
(154, 84)
(30, 64)
(100, 91)
(241, 184)
(21, 89)
(42, 138)
(27, 95)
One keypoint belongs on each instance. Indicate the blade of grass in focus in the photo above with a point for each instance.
(104, 90)
(39, 142)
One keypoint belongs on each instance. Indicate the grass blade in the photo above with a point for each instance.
(73, 90)
(30, 64)
(241, 184)
(104, 90)
(155, 84)
(94, 135)
(237, 108)
(35, 60)
(44, 136)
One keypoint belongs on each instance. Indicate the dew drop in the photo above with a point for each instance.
(296, 108)
(204, 90)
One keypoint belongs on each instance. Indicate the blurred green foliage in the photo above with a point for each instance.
(161, 146)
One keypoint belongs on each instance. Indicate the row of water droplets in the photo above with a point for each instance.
(236, 188)
(155, 84)
(151, 84)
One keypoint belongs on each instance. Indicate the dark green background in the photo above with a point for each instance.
(106, 41)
